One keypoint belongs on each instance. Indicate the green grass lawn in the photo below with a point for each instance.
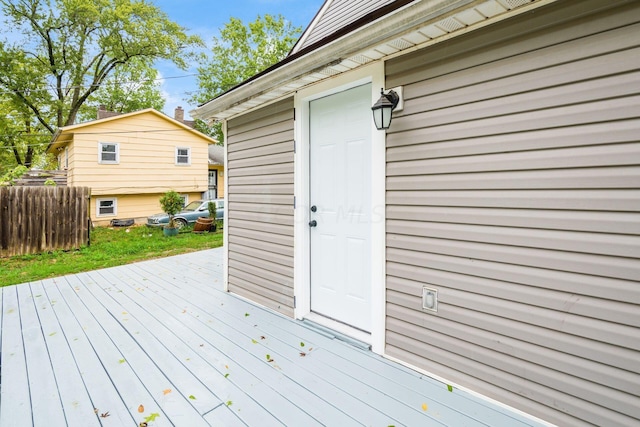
(109, 247)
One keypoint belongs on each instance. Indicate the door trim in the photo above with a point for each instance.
(374, 74)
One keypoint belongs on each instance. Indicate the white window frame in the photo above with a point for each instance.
(188, 156)
(107, 199)
(100, 152)
(185, 199)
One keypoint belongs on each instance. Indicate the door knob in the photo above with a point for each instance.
(313, 223)
(314, 208)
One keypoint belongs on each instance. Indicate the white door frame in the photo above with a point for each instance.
(374, 74)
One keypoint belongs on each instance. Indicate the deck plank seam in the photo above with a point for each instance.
(202, 320)
(43, 335)
(427, 396)
(91, 341)
(294, 348)
(130, 357)
(155, 337)
(208, 328)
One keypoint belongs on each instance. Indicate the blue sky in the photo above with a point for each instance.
(204, 18)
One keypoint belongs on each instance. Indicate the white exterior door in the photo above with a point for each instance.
(340, 193)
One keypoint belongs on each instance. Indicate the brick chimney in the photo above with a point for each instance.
(179, 114)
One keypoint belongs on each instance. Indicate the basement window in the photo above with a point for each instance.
(107, 207)
(183, 156)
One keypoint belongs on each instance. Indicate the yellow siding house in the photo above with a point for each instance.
(130, 160)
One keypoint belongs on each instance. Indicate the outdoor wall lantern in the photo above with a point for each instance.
(383, 107)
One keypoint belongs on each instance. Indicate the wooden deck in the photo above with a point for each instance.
(159, 340)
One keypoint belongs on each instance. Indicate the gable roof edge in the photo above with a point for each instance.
(312, 25)
(328, 43)
(65, 130)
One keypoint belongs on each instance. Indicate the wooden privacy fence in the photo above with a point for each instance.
(40, 219)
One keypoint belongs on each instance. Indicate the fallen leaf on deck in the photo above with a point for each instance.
(192, 397)
(143, 424)
(226, 375)
(246, 315)
(121, 361)
(254, 341)
(167, 391)
(95, 411)
(152, 417)
(269, 359)
(301, 344)
(141, 408)
(450, 388)
(105, 415)
(303, 354)
(229, 403)
(424, 407)
(262, 337)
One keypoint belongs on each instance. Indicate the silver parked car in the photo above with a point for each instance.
(189, 215)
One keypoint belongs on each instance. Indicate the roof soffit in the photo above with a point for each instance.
(415, 25)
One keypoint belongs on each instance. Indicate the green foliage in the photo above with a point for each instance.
(10, 177)
(56, 53)
(132, 87)
(22, 138)
(50, 182)
(171, 204)
(240, 52)
(211, 206)
(109, 247)
(214, 130)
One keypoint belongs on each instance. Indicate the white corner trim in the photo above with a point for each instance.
(374, 74)
(225, 216)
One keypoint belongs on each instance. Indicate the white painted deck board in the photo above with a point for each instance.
(45, 398)
(224, 416)
(116, 338)
(305, 385)
(74, 396)
(207, 361)
(105, 340)
(15, 400)
(282, 396)
(105, 397)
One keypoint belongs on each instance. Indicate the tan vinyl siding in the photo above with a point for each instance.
(513, 187)
(260, 206)
(339, 14)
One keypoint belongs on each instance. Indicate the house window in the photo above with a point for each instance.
(108, 153)
(183, 156)
(106, 207)
(185, 199)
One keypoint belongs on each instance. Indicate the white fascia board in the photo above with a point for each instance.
(375, 33)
